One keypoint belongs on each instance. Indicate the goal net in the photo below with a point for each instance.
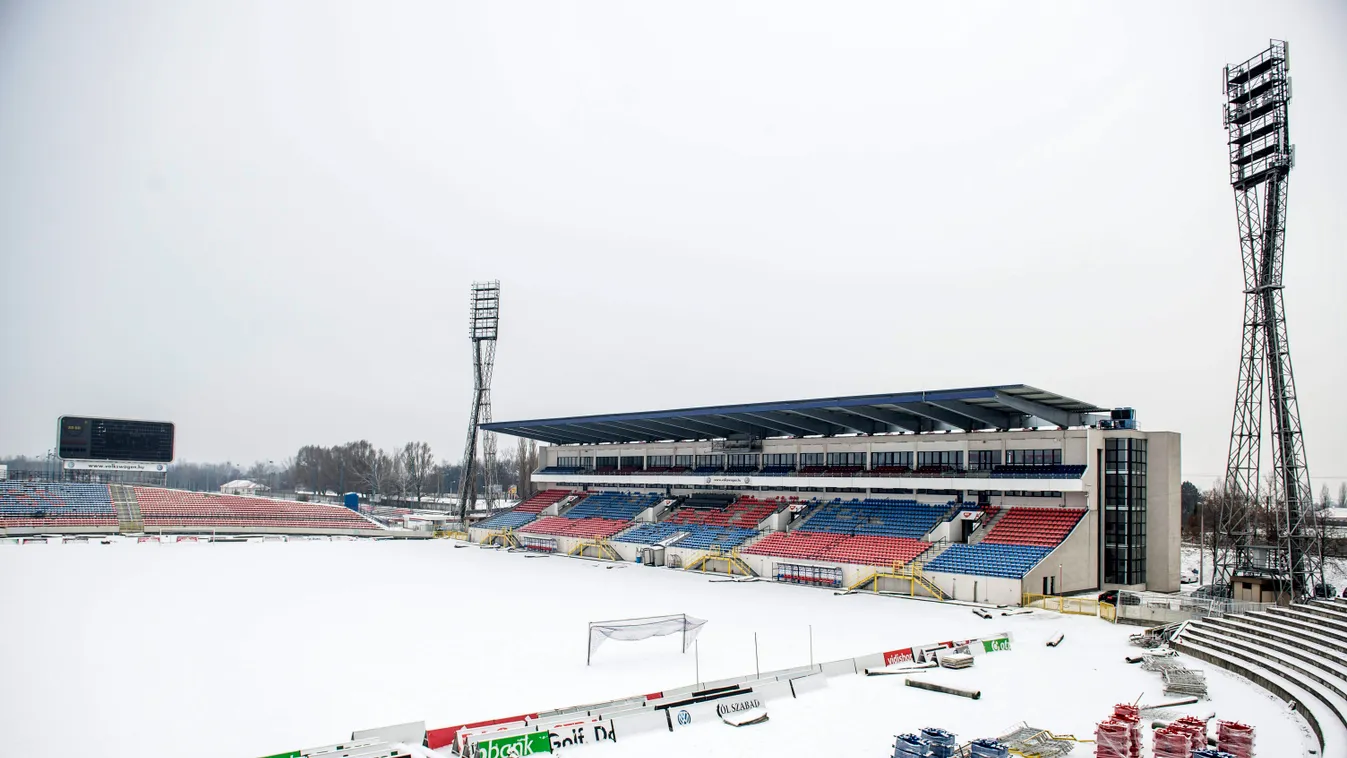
(632, 630)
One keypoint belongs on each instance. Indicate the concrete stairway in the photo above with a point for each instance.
(1297, 653)
(129, 518)
(986, 527)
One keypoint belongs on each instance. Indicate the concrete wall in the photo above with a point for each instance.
(977, 589)
(1074, 564)
(1164, 511)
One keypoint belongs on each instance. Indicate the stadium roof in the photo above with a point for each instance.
(1005, 407)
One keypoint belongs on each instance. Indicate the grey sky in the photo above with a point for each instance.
(259, 219)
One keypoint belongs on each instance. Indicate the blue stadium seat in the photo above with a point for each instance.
(1006, 561)
(508, 520)
(623, 506)
(884, 517)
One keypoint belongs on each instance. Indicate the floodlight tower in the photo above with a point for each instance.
(483, 326)
(1261, 156)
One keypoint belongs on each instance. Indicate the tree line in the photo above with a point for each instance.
(407, 474)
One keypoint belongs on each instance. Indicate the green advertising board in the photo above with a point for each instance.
(991, 646)
(533, 743)
(291, 754)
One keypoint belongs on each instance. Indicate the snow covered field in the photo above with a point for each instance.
(249, 649)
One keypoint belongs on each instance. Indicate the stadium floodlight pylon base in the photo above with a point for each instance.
(1261, 157)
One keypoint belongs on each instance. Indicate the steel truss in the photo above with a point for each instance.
(1261, 157)
(483, 328)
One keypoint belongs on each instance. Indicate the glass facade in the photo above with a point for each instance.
(1125, 511)
(710, 461)
(940, 458)
(632, 462)
(742, 461)
(1033, 457)
(683, 460)
(779, 459)
(901, 459)
(846, 459)
(659, 461)
(605, 461)
(811, 459)
(983, 459)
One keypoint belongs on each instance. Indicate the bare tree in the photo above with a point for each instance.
(419, 464)
(1325, 499)
(1342, 495)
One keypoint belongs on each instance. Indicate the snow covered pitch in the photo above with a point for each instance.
(239, 650)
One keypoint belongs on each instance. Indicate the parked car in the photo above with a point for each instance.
(1111, 597)
(1327, 591)
(1214, 592)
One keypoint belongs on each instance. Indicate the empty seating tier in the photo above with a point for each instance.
(695, 536)
(539, 502)
(623, 506)
(175, 508)
(508, 520)
(1006, 561)
(794, 544)
(745, 513)
(875, 551)
(32, 504)
(877, 516)
(1040, 527)
(584, 528)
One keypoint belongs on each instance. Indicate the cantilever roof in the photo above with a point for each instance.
(1003, 407)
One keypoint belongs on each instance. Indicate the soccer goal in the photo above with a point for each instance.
(633, 630)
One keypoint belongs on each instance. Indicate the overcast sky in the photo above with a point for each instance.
(259, 220)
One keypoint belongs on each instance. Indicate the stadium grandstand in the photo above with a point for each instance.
(988, 493)
(30, 507)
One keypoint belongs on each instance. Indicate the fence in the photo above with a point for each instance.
(1079, 605)
(1164, 609)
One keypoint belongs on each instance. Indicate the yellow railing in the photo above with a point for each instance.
(910, 573)
(1077, 606)
(1108, 612)
(600, 545)
(731, 558)
(451, 534)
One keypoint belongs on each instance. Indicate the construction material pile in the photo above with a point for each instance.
(1030, 740)
(956, 661)
(911, 746)
(1120, 735)
(943, 744)
(987, 749)
(1212, 754)
(1234, 738)
(1177, 677)
(1181, 738)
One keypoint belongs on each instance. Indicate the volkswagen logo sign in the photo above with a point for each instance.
(684, 718)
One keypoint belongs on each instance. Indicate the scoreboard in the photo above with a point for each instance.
(106, 439)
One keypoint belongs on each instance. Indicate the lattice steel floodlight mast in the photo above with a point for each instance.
(483, 328)
(1261, 156)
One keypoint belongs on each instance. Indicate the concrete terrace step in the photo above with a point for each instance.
(1325, 665)
(1327, 723)
(1317, 682)
(1324, 626)
(1295, 629)
(1327, 611)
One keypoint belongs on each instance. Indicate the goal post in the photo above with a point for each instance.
(636, 629)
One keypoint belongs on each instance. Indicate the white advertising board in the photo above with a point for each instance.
(114, 466)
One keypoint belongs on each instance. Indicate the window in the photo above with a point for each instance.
(1125, 510)
(587, 462)
(1034, 457)
(742, 461)
(983, 459)
(846, 459)
(811, 459)
(1032, 493)
(900, 459)
(632, 462)
(779, 460)
(710, 461)
(940, 458)
(605, 461)
(659, 461)
(683, 460)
